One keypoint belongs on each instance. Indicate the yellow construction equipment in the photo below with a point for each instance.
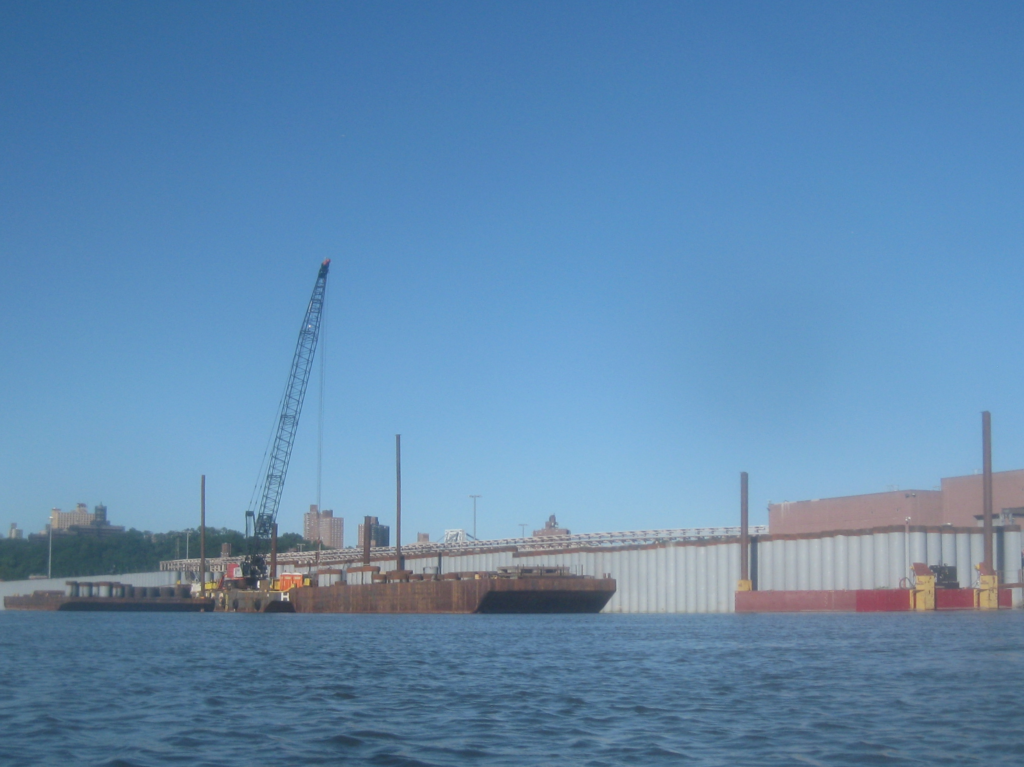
(986, 596)
(923, 594)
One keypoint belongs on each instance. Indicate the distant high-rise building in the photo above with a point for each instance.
(331, 530)
(380, 535)
(14, 533)
(99, 514)
(81, 522)
(310, 527)
(422, 537)
(62, 520)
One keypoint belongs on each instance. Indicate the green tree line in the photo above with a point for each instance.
(132, 551)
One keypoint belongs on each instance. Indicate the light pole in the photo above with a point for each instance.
(908, 565)
(522, 526)
(49, 555)
(474, 497)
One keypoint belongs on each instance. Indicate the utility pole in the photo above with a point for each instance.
(474, 497)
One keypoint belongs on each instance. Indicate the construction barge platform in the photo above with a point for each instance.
(112, 597)
(364, 590)
(367, 590)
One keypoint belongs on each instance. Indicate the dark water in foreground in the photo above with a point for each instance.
(109, 689)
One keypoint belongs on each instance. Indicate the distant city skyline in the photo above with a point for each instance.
(589, 260)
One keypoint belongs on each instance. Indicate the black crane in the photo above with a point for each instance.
(259, 525)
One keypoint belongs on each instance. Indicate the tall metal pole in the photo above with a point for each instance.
(986, 446)
(744, 529)
(202, 535)
(474, 497)
(273, 554)
(908, 567)
(398, 500)
(319, 531)
(49, 556)
(366, 541)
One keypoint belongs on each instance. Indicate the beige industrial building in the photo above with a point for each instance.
(957, 504)
(62, 520)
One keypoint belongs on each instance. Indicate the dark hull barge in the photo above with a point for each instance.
(476, 595)
(112, 597)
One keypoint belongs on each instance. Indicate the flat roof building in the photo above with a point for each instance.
(958, 504)
(331, 528)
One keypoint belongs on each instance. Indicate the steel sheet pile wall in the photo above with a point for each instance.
(701, 576)
(881, 558)
(698, 577)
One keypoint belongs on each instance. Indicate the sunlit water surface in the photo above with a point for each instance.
(164, 689)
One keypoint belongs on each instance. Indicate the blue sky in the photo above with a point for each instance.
(589, 259)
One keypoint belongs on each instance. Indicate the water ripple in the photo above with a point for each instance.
(446, 691)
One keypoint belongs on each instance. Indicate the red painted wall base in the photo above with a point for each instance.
(861, 601)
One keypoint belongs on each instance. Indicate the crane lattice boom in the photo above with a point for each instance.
(259, 525)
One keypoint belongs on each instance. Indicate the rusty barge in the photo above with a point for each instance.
(367, 590)
(360, 590)
(111, 597)
(401, 592)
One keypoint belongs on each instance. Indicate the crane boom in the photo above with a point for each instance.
(259, 524)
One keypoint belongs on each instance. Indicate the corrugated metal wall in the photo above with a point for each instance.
(668, 578)
(701, 576)
(879, 559)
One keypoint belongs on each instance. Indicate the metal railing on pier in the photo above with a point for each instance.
(554, 543)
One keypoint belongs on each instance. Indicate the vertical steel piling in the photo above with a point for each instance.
(986, 442)
(987, 595)
(744, 584)
(273, 553)
(399, 564)
(202, 535)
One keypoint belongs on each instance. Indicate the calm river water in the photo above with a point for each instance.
(110, 689)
